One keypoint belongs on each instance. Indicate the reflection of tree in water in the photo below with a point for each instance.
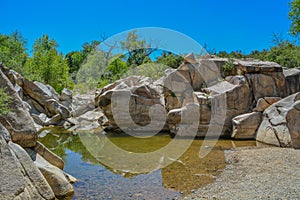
(58, 140)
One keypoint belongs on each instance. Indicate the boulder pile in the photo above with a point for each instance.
(239, 106)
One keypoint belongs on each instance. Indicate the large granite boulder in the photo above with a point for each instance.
(234, 97)
(133, 104)
(292, 79)
(18, 121)
(246, 125)
(83, 103)
(281, 123)
(41, 99)
(56, 178)
(265, 102)
(48, 155)
(193, 75)
(19, 177)
(266, 78)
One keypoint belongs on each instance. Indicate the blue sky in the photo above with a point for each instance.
(221, 24)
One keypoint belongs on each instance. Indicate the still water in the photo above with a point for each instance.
(107, 173)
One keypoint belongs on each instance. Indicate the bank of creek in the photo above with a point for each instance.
(98, 181)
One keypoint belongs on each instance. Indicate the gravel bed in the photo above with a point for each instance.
(265, 173)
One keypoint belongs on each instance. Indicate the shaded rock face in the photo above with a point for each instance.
(292, 77)
(129, 103)
(281, 123)
(18, 122)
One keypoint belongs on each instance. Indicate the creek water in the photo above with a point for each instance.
(101, 176)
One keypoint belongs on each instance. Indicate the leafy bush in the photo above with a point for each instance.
(5, 100)
(228, 68)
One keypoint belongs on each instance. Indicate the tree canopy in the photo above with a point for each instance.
(47, 65)
(294, 15)
(13, 51)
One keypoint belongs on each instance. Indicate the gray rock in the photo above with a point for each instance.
(246, 125)
(265, 102)
(18, 122)
(292, 77)
(56, 179)
(49, 155)
(35, 176)
(281, 123)
(133, 104)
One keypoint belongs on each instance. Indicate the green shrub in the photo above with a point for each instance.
(5, 100)
(228, 68)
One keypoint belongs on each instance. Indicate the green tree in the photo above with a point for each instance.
(294, 15)
(286, 54)
(169, 59)
(12, 51)
(47, 65)
(76, 58)
(91, 70)
(138, 50)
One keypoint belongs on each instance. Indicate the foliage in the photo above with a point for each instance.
(91, 70)
(137, 49)
(228, 67)
(294, 16)
(5, 100)
(76, 58)
(47, 65)
(233, 54)
(285, 53)
(169, 59)
(152, 70)
(12, 51)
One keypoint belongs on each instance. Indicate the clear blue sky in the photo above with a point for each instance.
(221, 24)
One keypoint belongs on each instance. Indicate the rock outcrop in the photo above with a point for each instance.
(281, 124)
(44, 104)
(133, 104)
(201, 85)
(18, 121)
(21, 177)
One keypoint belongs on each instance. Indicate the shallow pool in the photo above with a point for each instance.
(116, 171)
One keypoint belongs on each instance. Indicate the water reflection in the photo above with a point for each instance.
(99, 181)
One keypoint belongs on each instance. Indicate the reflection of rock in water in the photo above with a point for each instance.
(189, 172)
